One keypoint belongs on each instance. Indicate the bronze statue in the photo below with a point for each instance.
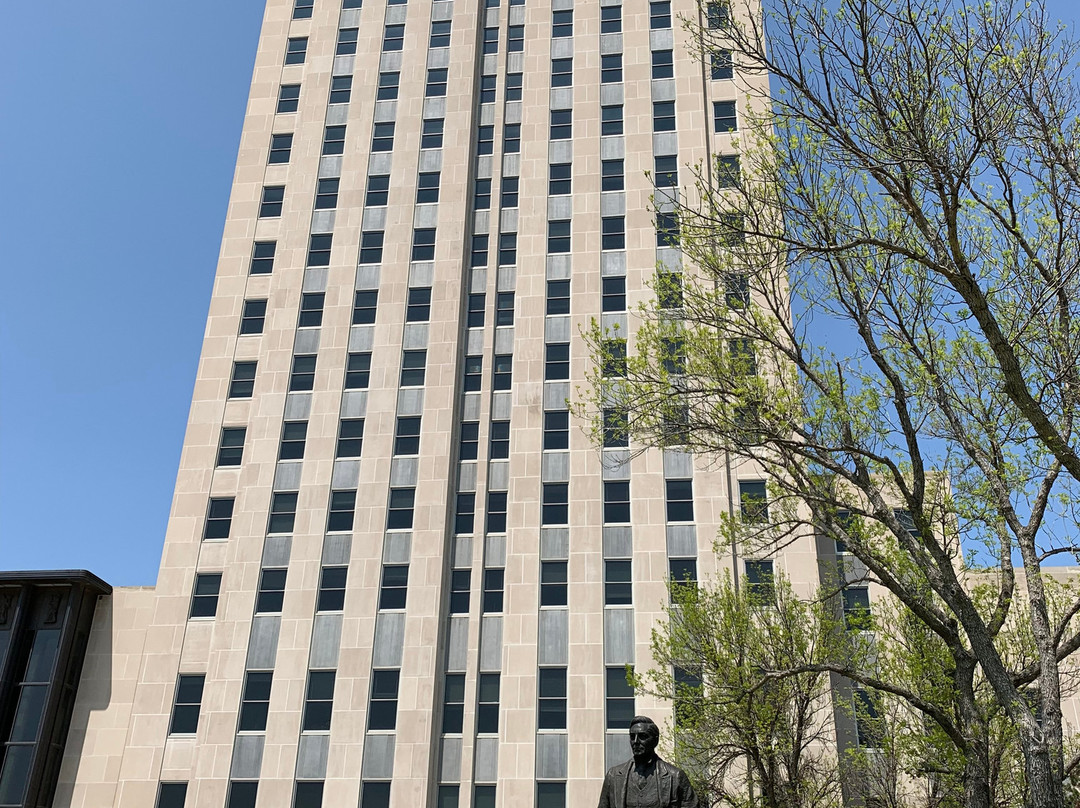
(646, 781)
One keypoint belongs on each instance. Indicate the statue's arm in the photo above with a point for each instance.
(605, 794)
(687, 796)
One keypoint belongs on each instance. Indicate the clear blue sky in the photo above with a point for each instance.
(121, 122)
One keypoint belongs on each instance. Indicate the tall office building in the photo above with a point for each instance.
(397, 573)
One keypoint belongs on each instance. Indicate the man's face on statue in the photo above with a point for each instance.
(643, 740)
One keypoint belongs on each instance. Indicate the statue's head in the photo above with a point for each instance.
(644, 736)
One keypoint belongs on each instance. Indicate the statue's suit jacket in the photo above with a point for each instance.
(675, 788)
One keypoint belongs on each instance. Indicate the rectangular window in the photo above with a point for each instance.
(558, 297)
(618, 589)
(423, 246)
(375, 795)
(384, 693)
(262, 257)
(293, 438)
(666, 174)
(722, 65)
(407, 436)
(253, 317)
(288, 98)
(242, 384)
(399, 513)
(280, 149)
(460, 583)
(320, 244)
(724, 119)
(551, 795)
(558, 236)
(515, 38)
(219, 518)
(357, 371)
(555, 509)
(616, 428)
(500, 440)
(271, 595)
(507, 249)
(412, 368)
(683, 573)
(346, 41)
(309, 793)
(440, 34)
(418, 307)
(688, 696)
(436, 82)
(611, 19)
(511, 139)
(393, 38)
(204, 598)
(663, 116)
(551, 711)
(465, 514)
(680, 500)
(856, 607)
(504, 308)
(473, 374)
(273, 197)
(502, 372)
(296, 50)
(365, 304)
(611, 175)
(231, 446)
(427, 187)
(617, 502)
(311, 309)
(667, 229)
(611, 120)
(479, 254)
(382, 137)
(669, 292)
(469, 444)
(556, 361)
(619, 701)
(482, 198)
(395, 585)
(614, 358)
(334, 140)
(340, 89)
(282, 513)
(727, 171)
(660, 14)
(491, 41)
(188, 700)
(319, 701)
(453, 707)
(753, 501)
(562, 124)
(742, 357)
(388, 86)
(509, 197)
(759, 580)
(718, 14)
(431, 134)
(332, 589)
(613, 294)
(557, 429)
(496, 512)
(242, 794)
(487, 709)
(378, 187)
(342, 511)
(562, 24)
(559, 179)
(663, 67)
(171, 795)
(493, 591)
(513, 86)
(737, 290)
(475, 313)
(553, 583)
(562, 72)
(255, 702)
(613, 231)
(302, 377)
(867, 718)
(611, 68)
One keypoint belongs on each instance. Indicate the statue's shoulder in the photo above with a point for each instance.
(620, 769)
